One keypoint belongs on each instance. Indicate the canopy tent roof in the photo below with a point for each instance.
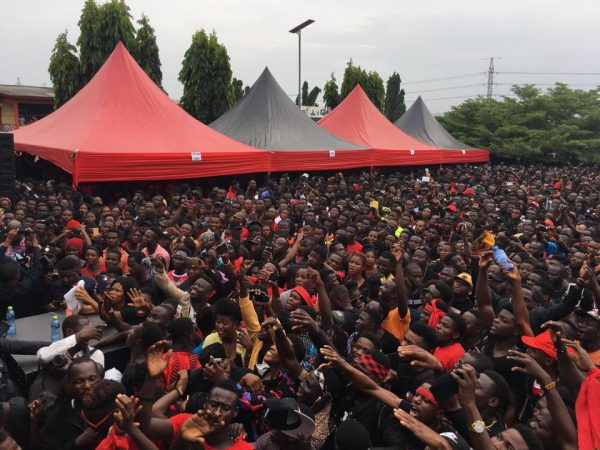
(419, 123)
(266, 118)
(358, 120)
(121, 126)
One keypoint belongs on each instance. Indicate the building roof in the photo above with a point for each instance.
(17, 90)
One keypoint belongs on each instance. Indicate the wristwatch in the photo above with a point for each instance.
(478, 427)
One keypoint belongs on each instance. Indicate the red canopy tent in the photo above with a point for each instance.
(121, 126)
(358, 120)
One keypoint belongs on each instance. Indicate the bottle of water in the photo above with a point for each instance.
(55, 329)
(10, 318)
(502, 259)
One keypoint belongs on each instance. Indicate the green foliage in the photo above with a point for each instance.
(331, 95)
(146, 51)
(238, 89)
(304, 93)
(88, 42)
(64, 70)
(102, 27)
(206, 77)
(309, 98)
(394, 98)
(371, 83)
(533, 125)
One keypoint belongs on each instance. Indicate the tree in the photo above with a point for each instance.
(206, 77)
(331, 95)
(370, 82)
(311, 99)
(146, 51)
(64, 70)
(394, 98)
(304, 94)
(102, 27)
(88, 42)
(238, 89)
(561, 124)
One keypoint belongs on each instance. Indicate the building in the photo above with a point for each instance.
(20, 105)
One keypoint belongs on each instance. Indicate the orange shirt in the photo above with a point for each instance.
(396, 325)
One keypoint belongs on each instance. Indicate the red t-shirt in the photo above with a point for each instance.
(449, 356)
(179, 419)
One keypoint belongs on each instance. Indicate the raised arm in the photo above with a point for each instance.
(360, 380)
(169, 289)
(400, 281)
(518, 302)
(483, 295)
(323, 299)
(291, 254)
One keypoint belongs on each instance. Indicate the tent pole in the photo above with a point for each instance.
(299, 68)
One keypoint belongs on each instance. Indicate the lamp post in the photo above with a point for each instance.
(298, 30)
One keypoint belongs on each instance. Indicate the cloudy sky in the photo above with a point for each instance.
(423, 40)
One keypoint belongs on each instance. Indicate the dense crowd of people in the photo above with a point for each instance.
(451, 309)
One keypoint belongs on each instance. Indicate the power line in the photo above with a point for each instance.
(466, 75)
(550, 73)
(447, 88)
(546, 84)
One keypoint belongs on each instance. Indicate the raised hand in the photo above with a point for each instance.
(466, 377)
(513, 275)
(127, 409)
(419, 357)
(486, 260)
(529, 366)
(137, 299)
(301, 319)
(197, 427)
(89, 332)
(155, 362)
(243, 338)
(423, 432)
(331, 357)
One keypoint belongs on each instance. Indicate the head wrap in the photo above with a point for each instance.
(375, 370)
(436, 313)
(306, 297)
(426, 394)
(75, 242)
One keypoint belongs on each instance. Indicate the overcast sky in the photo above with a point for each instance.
(421, 40)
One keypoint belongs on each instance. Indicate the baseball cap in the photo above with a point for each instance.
(542, 342)
(235, 225)
(289, 417)
(452, 208)
(465, 277)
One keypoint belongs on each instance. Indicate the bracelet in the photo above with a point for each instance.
(550, 386)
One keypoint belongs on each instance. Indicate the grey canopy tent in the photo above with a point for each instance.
(266, 118)
(419, 123)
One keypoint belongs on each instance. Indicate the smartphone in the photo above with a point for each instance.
(222, 249)
(95, 232)
(107, 306)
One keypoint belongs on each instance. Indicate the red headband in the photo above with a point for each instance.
(436, 313)
(426, 394)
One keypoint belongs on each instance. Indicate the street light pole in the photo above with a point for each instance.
(298, 30)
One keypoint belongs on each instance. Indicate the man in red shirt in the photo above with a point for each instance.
(449, 333)
(207, 427)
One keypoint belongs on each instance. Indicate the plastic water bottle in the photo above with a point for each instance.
(502, 259)
(55, 329)
(10, 318)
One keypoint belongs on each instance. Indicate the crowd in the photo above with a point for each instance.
(351, 311)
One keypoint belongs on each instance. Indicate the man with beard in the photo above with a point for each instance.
(65, 428)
